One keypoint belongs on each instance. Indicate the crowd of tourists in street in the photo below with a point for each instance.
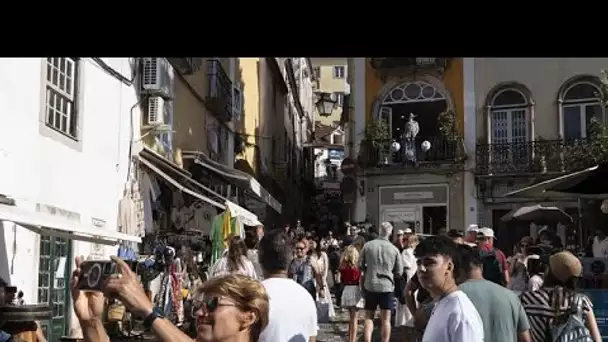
(277, 287)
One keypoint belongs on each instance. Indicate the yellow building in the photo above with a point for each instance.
(331, 75)
(198, 136)
(407, 126)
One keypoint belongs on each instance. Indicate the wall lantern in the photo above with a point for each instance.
(326, 103)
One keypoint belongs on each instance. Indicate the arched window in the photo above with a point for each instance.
(580, 102)
(509, 116)
(420, 98)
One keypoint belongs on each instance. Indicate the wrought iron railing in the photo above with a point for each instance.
(380, 63)
(544, 156)
(412, 152)
(219, 97)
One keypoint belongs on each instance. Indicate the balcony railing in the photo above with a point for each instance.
(388, 63)
(442, 150)
(219, 97)
(537, 157)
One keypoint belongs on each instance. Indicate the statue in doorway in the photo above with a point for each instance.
(408, 140)
(411, 128)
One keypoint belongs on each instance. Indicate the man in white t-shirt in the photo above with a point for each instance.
(454, 317)
(293, 312)
(600, 244)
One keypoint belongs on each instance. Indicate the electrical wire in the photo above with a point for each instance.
(105, 67)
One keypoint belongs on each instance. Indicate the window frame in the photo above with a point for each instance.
(46, 129)
(339, 98)
(582, 104)
(339, 74)
(237, 92)
(509, 109)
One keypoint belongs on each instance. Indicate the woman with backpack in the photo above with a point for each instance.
(557, 312)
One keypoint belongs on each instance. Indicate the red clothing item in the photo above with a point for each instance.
(486, 247)
(350, 275)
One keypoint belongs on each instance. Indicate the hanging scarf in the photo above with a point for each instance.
(226, 228)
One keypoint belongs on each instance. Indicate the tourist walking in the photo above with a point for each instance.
(380, 261)
(503, 316)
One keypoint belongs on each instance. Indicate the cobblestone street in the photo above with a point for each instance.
(337, 330)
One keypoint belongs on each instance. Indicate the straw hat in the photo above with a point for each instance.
(565, 265)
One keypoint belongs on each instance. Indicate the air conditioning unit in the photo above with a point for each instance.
(158, 111)
(157, 77)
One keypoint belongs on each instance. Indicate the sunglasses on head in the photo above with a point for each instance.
(209, 305)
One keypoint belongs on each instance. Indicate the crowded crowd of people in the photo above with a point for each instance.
(455, 286)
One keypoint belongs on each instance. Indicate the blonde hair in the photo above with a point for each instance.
(248, 295)
(350, 256)
(413, 241)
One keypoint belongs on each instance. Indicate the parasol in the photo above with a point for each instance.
(537, 213)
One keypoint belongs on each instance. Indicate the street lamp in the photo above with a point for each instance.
(326, 103)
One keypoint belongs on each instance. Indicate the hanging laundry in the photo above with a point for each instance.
(126, 217)
(126, 253)
(148, 196)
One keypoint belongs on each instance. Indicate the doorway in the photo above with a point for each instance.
(53, 278)
(434, 218)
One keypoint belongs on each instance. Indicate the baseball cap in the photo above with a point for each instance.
(473, 228)
(400, 232)
(407, 231)
(486, 232)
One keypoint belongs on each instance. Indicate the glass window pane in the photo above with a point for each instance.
(593, 111)
(572, 122)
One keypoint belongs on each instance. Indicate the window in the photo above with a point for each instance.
(61, 86)
(339, 98)
(508, 112)
(337, 139)
(339, 71)
(580, 104)
(237, 100)
(508, 117)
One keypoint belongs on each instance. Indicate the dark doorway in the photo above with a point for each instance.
(427, 115)
(508, 233)
(434, 218)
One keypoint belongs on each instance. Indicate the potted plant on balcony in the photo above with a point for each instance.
(448, 127)
(375, 144)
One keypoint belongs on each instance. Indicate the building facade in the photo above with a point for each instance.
(533, 120)
(332, 75)
(408, 128)
(64, 157)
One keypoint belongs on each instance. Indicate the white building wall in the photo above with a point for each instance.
(37, 169)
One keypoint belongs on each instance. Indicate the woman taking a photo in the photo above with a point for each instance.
(232, 308)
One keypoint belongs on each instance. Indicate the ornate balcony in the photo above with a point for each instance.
(537, 157)
(219, 96)
(409, 63)
(412, 154)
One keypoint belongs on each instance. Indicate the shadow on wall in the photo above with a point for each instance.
(4, 262)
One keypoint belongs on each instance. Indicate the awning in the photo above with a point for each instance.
(240, 178)
(543, 190)
(177, 184)
(247, 217)
(57, 226)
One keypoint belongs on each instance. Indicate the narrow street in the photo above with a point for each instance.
(337, 329)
